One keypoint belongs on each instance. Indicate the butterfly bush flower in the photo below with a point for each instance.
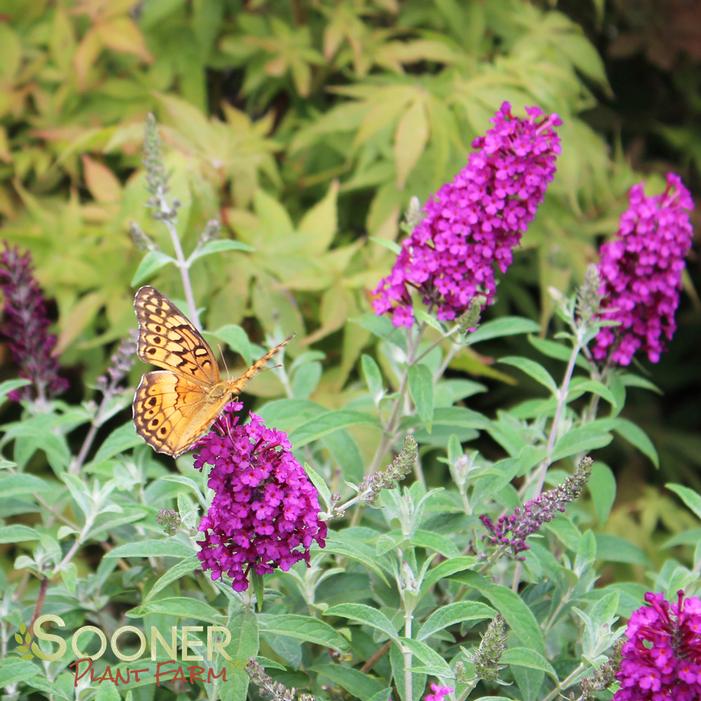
(265, 511)
(26, 327)
(511, 530)
(641, 273)
(662, 652)
(438, 692)
(474, 221)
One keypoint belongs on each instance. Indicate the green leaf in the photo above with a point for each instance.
(305, 380)
(367, 615)
(304, 628)
(382, 327)
(691, 498)
(13, 670)
(318, 226)
(386, 243)
(327, 423)
(421, 391)
(219, 246)
(17, 533)
(533, 370)
(437, 665)
(152, 548)
(636, 437)
(152, 262)
(580, 385)
(525, 657)
(372, 376)
(602, 487)
(581, 440)
(8, 385)
(511, 606)
(410, 139)
(345, 544)
(505, 326)
(107, 691)
(119, 441)
(180, 606)
(236, 338)
(454, 613)
(447, 568)
(22, 484)
(243, 646)
(611, 548)
(355, 682)
(181, 569)
(320, 484)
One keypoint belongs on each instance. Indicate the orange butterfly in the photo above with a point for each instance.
(173, 407)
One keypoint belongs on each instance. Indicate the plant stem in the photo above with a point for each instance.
(557, 418)
(406, 653)
(41, 596)
(167, 215)
(390, 431)
(564, 683)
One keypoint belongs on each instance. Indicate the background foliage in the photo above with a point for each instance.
(306, 128)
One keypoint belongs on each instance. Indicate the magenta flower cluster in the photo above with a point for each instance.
(26, 324)
(474, 221)
(641, 273)
(438, 692)
(662, 654)
(265, 511)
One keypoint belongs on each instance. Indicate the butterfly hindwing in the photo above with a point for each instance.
(168, 340)
(170, 412)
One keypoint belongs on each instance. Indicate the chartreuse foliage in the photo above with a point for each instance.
(305, 128)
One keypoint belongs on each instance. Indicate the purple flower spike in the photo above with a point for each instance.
(474, 221)
(511, 530)
(265, 511)
(26, 327)
(641, 273)
(662, 653)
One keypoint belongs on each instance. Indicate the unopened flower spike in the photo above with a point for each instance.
(488, 655)
(121, 362)
(395, 472)
(472, 223)
(269, 688)
(641, 273)
(589, 296)
(140, 238)
(603, 676)
(511, 530)
(26, 326)
(169, 521)
(265, 511)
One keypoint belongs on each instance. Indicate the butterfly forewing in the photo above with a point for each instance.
(168, 340)
(171, 412)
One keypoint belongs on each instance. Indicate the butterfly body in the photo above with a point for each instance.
(176, 405)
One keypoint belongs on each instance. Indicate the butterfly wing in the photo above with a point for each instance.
(171, 412)
(242, 380)
(168, 340)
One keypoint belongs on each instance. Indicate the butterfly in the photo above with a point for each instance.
(175, 406)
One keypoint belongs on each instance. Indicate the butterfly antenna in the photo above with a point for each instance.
(223, 358)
